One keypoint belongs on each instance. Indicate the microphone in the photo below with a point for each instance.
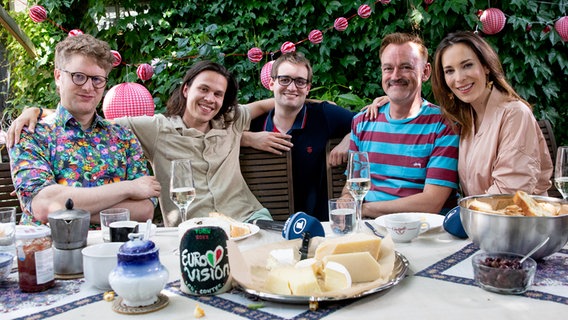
(300, 223)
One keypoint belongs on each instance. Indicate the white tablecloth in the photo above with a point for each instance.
(416, 297)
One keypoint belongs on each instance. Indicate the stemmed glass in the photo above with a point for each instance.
(358, 181)
(182, 191)
(561, 171)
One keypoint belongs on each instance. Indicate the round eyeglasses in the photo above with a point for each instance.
(80, 79)
(286, 81)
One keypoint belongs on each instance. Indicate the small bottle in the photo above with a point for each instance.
(35, 258)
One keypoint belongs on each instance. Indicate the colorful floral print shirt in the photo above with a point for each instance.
(61, 152)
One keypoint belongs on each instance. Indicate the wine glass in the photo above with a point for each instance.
(358, 181)
(182, 191)
(561, 171)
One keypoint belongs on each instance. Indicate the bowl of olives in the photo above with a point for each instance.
(503, 272)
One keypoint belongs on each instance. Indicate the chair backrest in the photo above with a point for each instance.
(269, 177)
(336, 178)
(6, 187)
(548, 134)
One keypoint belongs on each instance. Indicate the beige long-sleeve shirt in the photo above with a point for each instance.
(508, 152)
(219, 184)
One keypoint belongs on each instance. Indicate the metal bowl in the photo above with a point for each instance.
(515, 234)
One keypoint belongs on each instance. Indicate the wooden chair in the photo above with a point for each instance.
(269, 177)
(336, 178)
(548, 134)
(6, 187)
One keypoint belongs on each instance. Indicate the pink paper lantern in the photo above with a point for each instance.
(385, 1)
(37, 13)
(288, 47)
(74, 32)
(144, 72)
(265, 74)
(128, 99)
(255, 55)
(364, 11)
(428, 1)
(117, 58)
(561, 27)
(492, 21)
(315, 36)
(340, 24)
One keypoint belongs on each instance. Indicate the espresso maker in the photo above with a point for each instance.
(69, 230)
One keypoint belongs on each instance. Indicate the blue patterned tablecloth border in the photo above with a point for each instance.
(219, 302)
(214, 301)
(436, 270)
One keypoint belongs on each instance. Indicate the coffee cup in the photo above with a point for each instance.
(119, 230)
(405, 227)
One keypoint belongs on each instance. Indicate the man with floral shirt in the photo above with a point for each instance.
(74, 153)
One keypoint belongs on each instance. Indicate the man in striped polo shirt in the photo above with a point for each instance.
(413, 150)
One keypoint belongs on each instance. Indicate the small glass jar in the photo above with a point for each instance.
(35, 258)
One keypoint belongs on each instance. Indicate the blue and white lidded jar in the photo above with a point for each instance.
(139, 276)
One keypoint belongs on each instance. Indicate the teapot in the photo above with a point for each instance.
(138, 276)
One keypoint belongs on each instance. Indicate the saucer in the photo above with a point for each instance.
(434, 220)
(118, 307)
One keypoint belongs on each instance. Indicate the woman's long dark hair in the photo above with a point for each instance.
(452, 107)
(177, 103)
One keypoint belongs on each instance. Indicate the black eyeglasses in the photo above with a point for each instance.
(299, 82)
(80, 79)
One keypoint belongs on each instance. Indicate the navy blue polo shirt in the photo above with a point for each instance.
(315, 124)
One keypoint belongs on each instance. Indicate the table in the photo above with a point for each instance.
(416, 297)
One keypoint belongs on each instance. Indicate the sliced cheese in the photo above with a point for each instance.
(336, 277)
(292, 281)
(356, 242)
(316, 265)
(281, 258)
(361, 265)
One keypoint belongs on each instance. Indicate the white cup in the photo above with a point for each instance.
(342, 216)
(111, 215)
(98, 261)
(405, 227)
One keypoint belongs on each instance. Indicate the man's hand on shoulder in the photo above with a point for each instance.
(272, 142)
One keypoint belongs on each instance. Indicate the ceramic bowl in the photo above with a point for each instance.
(502, 272)
(6, 262)
(98, 261)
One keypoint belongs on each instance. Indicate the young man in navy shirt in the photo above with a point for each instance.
(303, 127)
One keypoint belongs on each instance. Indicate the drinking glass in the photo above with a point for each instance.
(109, 216)
(561, 171)
(182, 191)
(358, 181)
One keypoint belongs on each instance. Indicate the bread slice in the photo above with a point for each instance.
(238, 229)
(530, 206)
(482, 206)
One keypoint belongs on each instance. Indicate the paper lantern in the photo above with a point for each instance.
(128, 99)
(288, 47)
(37, 13)
(265, 74)
(364, 11)
(561, 27)
(255, 55)
(492, 21)
(340, 24)
(74, 32)
(117, 58)
(428, 1)
(144, 72)
(315, 36)
(385, 1)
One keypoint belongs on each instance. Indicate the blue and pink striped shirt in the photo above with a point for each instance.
(407, 154)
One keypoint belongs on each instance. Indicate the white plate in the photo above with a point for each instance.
(435, 220)
(254, 229)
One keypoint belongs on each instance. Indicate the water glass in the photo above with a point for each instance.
(111, 215)
(8, 230)
(342, 216)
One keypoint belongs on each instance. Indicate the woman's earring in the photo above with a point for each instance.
(451, 96)
(489, 85)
